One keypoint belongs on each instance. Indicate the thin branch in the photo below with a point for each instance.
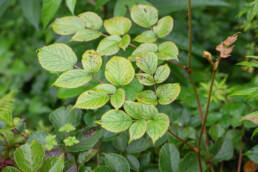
(97, 79)
(195, 149)
(177, 64)
(190, 32)
(240, 153)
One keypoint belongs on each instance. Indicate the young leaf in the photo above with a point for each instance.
(91, 100)
(53, 164)
(85, 35)
(117, 99)
(117, 162)
(164, 26)
(119, 71)
(147, 96)
(106, 88)
(49, 10)
(157, 127)
(146, 37)
(253, 117)
(168, 51)
(147, 63)
(71, 5)
(143, 49)
(57, 57)
(73, 79)
(144, 15)
(117, 25)
(115, 121)
(91, 61)
(67, 25)
(145, 79)
(169, 158)
(167, 93)
(70, 141)
(140, 110)
(29, 156)
(137, 130)
(162, 73)
(126, 39)
(91, 20)
(109, 45)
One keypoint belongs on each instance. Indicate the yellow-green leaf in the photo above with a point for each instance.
(109, 45)
(164, 26)
(145, 79)
(148, 62)
(118, 99)
(167, 93)
(168, 51)
(119, 71)
(71, 5)
(146, 37)
(137, 130)
(117, 25)
(142, 49)
(91, 20)
(126, 39)
(85, 35)
(162, 73)
(91, 61)
(106, 88)
(147, 96)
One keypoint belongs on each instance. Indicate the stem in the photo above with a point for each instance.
(190, 32)
(195, 149)
(96, 79)
(179, 65)
(240, 154)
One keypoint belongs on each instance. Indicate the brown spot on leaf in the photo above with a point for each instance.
(250, 167)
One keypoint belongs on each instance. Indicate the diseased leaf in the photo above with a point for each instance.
(68, 25)
(143, 49)
(145, 79)
(91, 20)
(164, 26)
(144, 15)
(253, 117)
(124, 43)
(158, 126)
(162, 73)
(85, 35)
(91, 61)
(106, 88)
(147, 63)
(169, 158)
(109, 45)
(115, 121)
(119, 71)
(168, 51)
(117, 25)
(147, 96)
(117, 162)
(49, 10)
(167, 93)
(71, 5)
(146, 37)
(73, 79)
(57, 57)
(226, 47)
(137, 130)
(91, 100)
(117, 99)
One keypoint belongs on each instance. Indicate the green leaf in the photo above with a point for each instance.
(70, 141)
(73, 79)
(253, 91)
(133, 161)
(147, 96)
(67, 128)
(142, 50)
(157, 127)
(103, 169)
(225, 151)
(167, 93)
(168, 51)
(144, 15)
(91, 20)
(31, 10)
(119, 71)
(67, 25)
(253, 117)
(86, 156)
(91, 61)
(146, 37)
(6, 109)
(86, 142)
(216, 131)
(50, 142)
(109, 45)
(190, 163)
(85, 35)
(57, 57)
(132, 89)
(140, 110)
(248, 64)
(139, 145)
(91, 100)
(147, 63)
(118, 99)
(53, 164)
(117, 162)
(71, 5)
(106, 88)
(164, 26)
(49, 10)
(162, 73)
(124, 43)
(137, 130)
(65, 115)
(29, 156)
(10, 169)
(252, 154)
(115, 121)
(169, 158)
(117, 25)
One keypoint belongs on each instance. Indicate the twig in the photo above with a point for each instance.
(240, 154)
(190, 32)
(96, 79)
(177, 64)
(195, 149)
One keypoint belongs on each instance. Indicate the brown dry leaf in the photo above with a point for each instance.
(226, 47)
(250, 166)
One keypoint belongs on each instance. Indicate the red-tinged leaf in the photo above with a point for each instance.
(226, 47)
